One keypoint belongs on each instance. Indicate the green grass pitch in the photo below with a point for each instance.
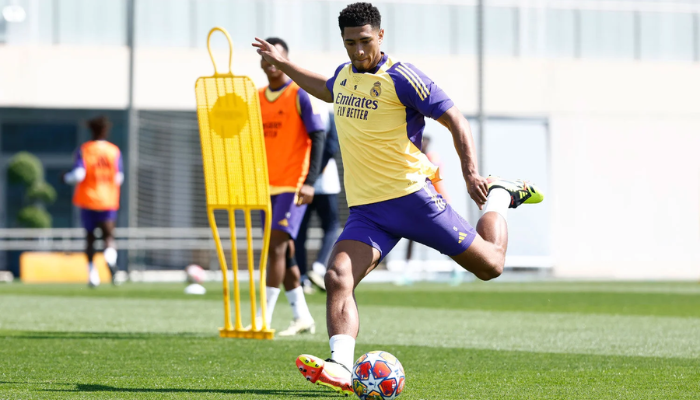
(474, 341)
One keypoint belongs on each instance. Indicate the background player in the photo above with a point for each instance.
(380, 105)
(98, 174)
(325, 204)
(294, 136)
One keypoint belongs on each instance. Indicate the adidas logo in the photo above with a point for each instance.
(343, 82)
(284, 222)
(462, 236)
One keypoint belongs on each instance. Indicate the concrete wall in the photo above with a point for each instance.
(625, 177)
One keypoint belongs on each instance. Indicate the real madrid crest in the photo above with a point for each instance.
(376, 89)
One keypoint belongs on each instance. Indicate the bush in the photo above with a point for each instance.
(25, 169)
(41, 192)
(34, 217)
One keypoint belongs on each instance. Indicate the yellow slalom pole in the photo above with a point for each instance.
(251, 266)
(224, 269)
(263, 264)
(234, 261)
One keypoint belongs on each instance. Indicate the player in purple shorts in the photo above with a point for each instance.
(380, 104)
(98, 175)
(294, 136)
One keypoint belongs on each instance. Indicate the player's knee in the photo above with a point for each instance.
(491, 270)
(337, 279)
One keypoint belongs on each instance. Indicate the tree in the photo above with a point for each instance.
(26, 169)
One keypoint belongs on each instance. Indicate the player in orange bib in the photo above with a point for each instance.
(98, 175)
(294, 136)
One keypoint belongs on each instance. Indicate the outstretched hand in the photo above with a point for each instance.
(269, 52)
(478, 189)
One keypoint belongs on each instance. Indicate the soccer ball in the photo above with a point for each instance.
(195, 273)
(377, 375)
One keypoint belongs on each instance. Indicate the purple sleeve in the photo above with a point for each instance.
(312, 122)
(78, 163)
(331, 81)
(415, 90)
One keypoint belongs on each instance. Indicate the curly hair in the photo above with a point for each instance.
(359, 14)
(99, 126)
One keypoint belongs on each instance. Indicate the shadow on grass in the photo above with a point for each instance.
(267, 392)
(37, 335)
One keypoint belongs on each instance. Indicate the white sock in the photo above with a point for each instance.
(93, 275)
(298, 302)
(271, 295)
(343, 350)
(110, 255)
(498, 201)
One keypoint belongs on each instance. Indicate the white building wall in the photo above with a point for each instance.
(624, 135)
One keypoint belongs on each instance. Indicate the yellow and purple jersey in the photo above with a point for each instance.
(379, 116)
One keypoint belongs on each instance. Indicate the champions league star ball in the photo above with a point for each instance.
(378, 375)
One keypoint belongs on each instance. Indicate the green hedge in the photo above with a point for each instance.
(34, 217)
(25, 169)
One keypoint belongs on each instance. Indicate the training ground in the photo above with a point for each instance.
(477, 340)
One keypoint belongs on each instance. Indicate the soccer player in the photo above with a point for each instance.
(325, 205)
(98, 174)
(380, 105)
(294, 136)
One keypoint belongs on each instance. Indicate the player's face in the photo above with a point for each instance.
(270, 70)
(363, 46)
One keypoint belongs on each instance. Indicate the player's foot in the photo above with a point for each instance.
(93, 278)
(317, 279)
(326, 373)
(258, 324)
(298, 326)
(520, 191)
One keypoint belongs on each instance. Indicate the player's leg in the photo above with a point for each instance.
(300, 253)
(327, 210)
(486, 256)
(110, 252)
(277, 259)
(350, 261)
(303, 322)
(359, 249)
(480, 251)
(286, 221)
(87, 218)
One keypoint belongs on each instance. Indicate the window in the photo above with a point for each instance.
(561, 33)
(607, 34)
(164, 25)
(466, 30)
(666, 36)
(90, 22)
(39, 137)
(410, 23)
(500, 31)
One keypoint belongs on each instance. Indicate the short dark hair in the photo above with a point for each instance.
(99, 126)
(275, 40)
(359, 14)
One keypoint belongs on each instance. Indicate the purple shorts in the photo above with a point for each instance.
(286, 216)
(422, 216)
(92, 218)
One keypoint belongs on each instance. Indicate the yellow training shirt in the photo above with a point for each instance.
(379, 116)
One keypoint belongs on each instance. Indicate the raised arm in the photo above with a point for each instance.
(313, 83)
(477, 186)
